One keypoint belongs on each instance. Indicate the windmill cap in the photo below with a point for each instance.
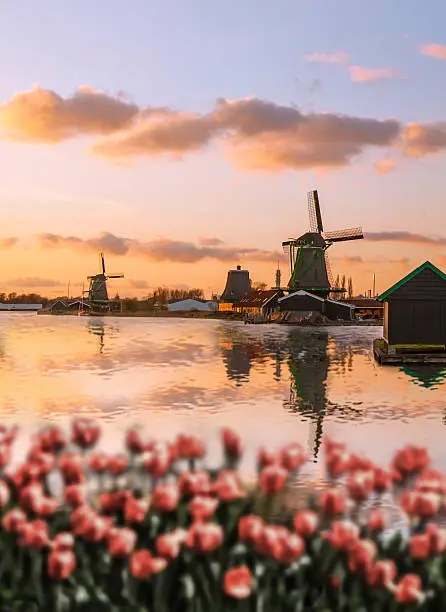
(239, 267)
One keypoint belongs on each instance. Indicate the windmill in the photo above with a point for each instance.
(97, 292)
(309, 265)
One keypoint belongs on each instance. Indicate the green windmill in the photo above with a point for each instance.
(309, 265)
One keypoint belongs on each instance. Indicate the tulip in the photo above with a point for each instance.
(361, 556)
(75, 495)
(61, 564)
(63, 541)
(52, 440)
(305, 523)
(273, 479)
(85, 433)
(117, 464)
(250, 528)
(190, 447)
(135, 510)
(266, 457)
(121, 541)
(333, 502)
(419, 504)
(271, 541)
(98, 462)
(343, 535)
(382, 480)
(382, 574)
(360, 485)
(165, 497)
(376, 520)
(194, 483)
(14, 520)
(134, 443)
(437, 539)
(408, 590)
(337, 463)
(292, 457)
(232, 445)
(227, 486)
(168, 545)
(71, 466)
(420, 546)
(34, 534)
(202, 507)
(5, 494)
(204, 537)
(238, 582)
(143, 564)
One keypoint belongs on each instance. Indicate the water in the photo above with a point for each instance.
(271, 383)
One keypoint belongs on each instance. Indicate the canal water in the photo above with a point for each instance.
(273, 384)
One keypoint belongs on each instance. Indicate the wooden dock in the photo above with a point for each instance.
(384, 358)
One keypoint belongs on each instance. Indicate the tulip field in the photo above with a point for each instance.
(153, 528)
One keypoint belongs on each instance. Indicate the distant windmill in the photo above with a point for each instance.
(310, 268)
(97, 292)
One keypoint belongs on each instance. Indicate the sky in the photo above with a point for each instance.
(181, 138)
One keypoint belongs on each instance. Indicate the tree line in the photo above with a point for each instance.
(344, 283)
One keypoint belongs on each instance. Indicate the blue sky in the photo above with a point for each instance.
(185, 55)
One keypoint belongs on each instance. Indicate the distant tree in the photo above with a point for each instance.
(343, 283)
(350, 287)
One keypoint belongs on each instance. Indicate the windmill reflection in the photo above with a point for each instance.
(308, 364)
(307, 359)
(97, 328)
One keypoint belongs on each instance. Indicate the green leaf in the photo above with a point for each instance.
(188, 586)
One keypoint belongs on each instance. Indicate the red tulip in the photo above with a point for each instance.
(111, 502)
(201, 507)
(98, 462)
(204, 537)
(382, 480)
(431, 481)
(382, 574)
(194, 483)
(227, 486)
(250, 528)
(273, 479)
(134, 443)
(52, 440)
(85, 433)
(31, 497)
(63, 541)
(165, 497)
(117, 464)
(417, 503)
(71, 466)
(93, 528)
(292, 457)
(266, 457)
(168, 545)
(5, 454)
(232, 444)
(437, 539)
(408, 590)
(44, 460)
(360, 485)
(361, 556)
(121, 541)
(337, 463)
(75, 495)
(305, 523)
(361, 464)
(61, 564)
(190, 447)
(420, 546)
(238, 582)
(135, 510)
(331, 445)
(376, 520)
(343, 535)
(14, 520)
(34, 534)
(271, 541)
(411, 459)
(157, 462)
(143, 564)
(333, 502)
(26, 474)
(48, 506)
(292, 548)
(5, 494)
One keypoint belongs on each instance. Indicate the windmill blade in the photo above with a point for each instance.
(102, 263)
(314, 212)
(353, 233)
(329, 270)
(115, 275)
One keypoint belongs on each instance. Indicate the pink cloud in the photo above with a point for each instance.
(434, 50)
(386, 165)
(328, 58)
(360, 74)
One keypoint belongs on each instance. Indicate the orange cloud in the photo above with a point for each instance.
(421, 139)
(434, 50)
(41, 115)
(403, 236)
(160, 249)
(386, 165)
(359, 74)
(328, 58)
(32, 282)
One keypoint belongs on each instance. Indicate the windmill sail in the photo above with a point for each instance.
(353, 233)
(314, 211)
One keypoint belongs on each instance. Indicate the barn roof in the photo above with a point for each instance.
(301, 293)
(363, 302)
(403, 281)
(258, 298)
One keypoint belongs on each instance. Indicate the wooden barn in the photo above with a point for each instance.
(259, 302)
(302, 301)
(415, 311)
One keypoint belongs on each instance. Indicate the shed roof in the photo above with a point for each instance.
(258, 298)
(301, 293)
(408, 277)
(363, 302)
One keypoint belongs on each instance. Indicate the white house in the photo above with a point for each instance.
(191, 304)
